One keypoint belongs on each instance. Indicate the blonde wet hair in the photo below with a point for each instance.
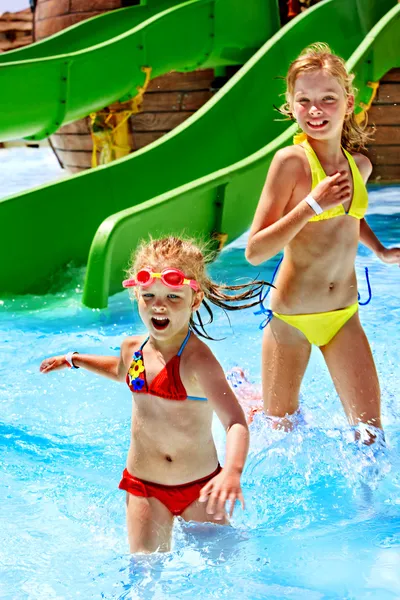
(319, 57)
(191, 257)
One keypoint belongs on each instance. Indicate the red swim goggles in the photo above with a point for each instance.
(170, 277)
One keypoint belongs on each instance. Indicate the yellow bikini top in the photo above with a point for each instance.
(359, 202)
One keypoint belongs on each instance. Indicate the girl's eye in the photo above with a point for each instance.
(329, 98)
(148, 295)
(302, 100)
(173, 296)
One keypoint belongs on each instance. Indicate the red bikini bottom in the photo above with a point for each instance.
(175, 497)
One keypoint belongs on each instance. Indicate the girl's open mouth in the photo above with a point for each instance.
(317, 124)
(160, 323)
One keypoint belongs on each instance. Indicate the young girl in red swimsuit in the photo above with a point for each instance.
(172, 467)
(312, 207)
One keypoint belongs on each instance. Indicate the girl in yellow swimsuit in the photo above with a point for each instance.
(313, 206)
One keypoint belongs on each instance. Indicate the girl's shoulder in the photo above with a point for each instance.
(200, 366)
(132, 343)
(291, 159)
(288, 168)
(363, 163)
(197, 351)
(294, 153)
(129, 346)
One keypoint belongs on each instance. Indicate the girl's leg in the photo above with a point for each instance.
(197, 512)
(285, 355)
(350, 363)
(149, 524)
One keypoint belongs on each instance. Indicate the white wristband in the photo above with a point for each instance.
(68, 360)
(313, 204)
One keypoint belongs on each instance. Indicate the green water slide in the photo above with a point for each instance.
(99, 61)
(82, 69)
(203, 177)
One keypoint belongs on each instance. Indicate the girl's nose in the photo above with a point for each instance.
(314, 110)
(158, 305)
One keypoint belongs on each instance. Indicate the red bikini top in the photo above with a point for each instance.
(167, 384)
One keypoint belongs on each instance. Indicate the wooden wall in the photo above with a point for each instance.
(384, 114)
(169, 101)
(54, 15)
(15, 30)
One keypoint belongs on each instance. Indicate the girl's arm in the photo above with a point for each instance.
(367, 236)
(369, 239)
(271, 231)
(109, 366)
(226, 485)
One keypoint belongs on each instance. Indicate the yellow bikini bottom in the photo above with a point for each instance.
(320, 328)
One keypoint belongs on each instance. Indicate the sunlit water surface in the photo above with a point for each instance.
(322, 516)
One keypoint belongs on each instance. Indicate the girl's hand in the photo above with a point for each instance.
(224, 486)
(391, 256)
(54, 363)
(332, 190)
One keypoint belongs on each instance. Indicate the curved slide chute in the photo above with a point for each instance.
(99, 61)
(41, 90)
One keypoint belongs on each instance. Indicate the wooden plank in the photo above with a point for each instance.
(75, 159)
(80, 126)
(385, 135)
(48, 27)
(384, 155)
(143, 139)
(21, 15)
(160, 101)
(170, 101)
(100, 5)
(384, 115)
(386, 173)
(388, 93)
(162, 121)
(6, 26)
(72, 141)
(76, 151)
(194, 100)
(19, 43)
(153, 101)
(74, 169)
(393, 75)
(195, 80)
(52, 8)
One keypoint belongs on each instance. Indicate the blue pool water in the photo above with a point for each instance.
(322, 519)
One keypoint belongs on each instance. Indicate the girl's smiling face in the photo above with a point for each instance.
(166, 311)
(320, 104)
